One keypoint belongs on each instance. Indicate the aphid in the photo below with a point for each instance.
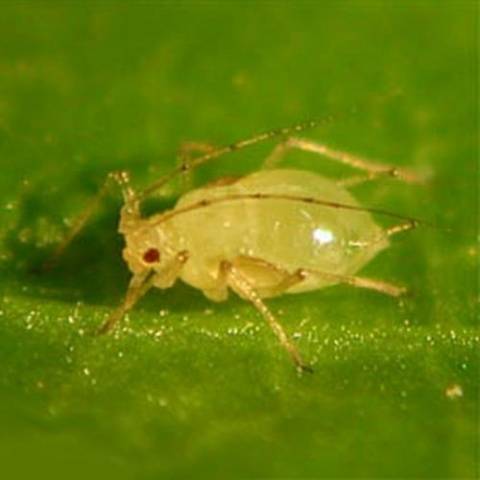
(272, 232)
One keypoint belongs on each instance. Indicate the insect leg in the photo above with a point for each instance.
(237, 282)
(372, 168)
(281, 280)
(185, 156)
(141, 283)
(233, 147)
(358, 180)
(270, 280)
(361, 282)
(121, 179)
(276, 155)
(138, 287)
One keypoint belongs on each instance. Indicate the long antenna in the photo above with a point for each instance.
(271, 196)
(279, 132)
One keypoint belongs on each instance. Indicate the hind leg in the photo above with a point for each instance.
(379, 286)
(272, 281)
(372, 169)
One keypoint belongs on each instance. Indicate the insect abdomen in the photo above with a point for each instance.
(287, 234)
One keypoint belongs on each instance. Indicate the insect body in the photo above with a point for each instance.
(268, 233)
(268, 240)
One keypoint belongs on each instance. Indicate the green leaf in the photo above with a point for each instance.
(190, 389)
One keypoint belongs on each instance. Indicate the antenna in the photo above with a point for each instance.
(294, 198)
(279, 132)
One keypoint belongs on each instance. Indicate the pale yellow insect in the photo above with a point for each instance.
(272, 232)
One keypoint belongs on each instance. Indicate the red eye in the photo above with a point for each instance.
(152, 255)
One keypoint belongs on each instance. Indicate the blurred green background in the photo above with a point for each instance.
(191, 389)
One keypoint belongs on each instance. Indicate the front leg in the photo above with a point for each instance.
(140, 284)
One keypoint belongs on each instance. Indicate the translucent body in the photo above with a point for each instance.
(288, 235)
(269, 233)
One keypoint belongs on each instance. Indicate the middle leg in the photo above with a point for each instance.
(186, 155)
(238, 283)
